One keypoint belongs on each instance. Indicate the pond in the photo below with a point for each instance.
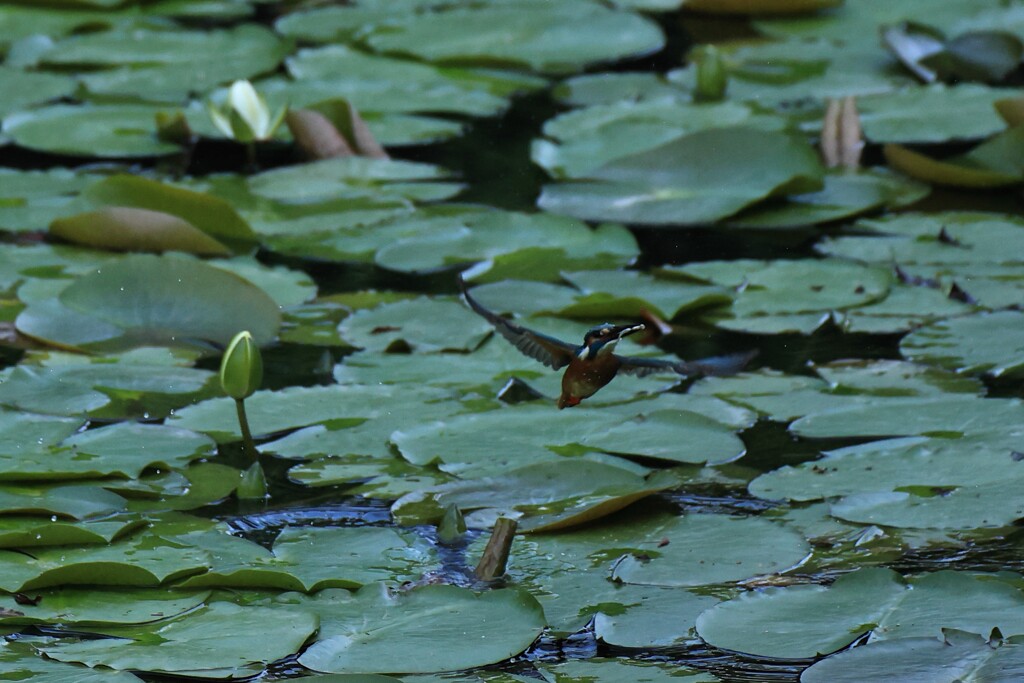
(796, 222)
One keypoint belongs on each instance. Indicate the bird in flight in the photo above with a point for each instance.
(594, 363)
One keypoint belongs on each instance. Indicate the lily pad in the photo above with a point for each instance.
(875, 600)
(222, 640)
(697, 179)
(358, 633)
(135, 230)
(212, 216)
(990, 343)
(76, 502)
(166, 65)
(579, 142)
(313, 559)
(135, 562)
(943, 465)
(685, 560)
(493, 234)
(949, 416)
(142, 300)
(539, 434)
(113, 130)
(548, 495)
(353, 177)
(27, 665)
(549, 38)
(338, 406)
(660, 618)
(25, 88)
(993, 163)
(933, 114)
(111, 387)
(611, 670)
(414, 325)
(88, 607)
(956, 655)
(844, 195)
(27, 532)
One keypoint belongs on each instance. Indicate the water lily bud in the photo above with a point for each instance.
(253, 484)
(245, 116)
(241, 370)
(452, 528)
(712, 79)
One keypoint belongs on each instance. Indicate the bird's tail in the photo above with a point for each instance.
(716, 366)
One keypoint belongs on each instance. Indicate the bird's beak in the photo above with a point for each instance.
(626, 330)
(607, 344)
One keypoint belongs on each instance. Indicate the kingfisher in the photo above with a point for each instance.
(594, 363)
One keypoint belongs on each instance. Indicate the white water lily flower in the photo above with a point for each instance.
(245, 116)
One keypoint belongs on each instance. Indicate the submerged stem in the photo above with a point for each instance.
(495, 556)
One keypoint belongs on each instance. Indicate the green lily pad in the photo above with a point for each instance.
(353, 177)
(824, 620)
(212, 216)
(660, 618)
(26, 88)
(144, 299)
(28, 532)
(950, 416)
(139, 562)
(994, 163)
(389, 478)
(844, 195)
(414, 324)
(166, 65)
(111, 387)
(697, 179)
(25, 21)
(124, 449)
(957, 655)
(896, 378)
(539, 434)
(492, 234)
(358, 633)
(896, 464)
(379, 83)
(857, 23)
(30, 200)
(330, 60)
(782, 296)
(579, 142)
(990, 343)
(337, 406)
(944, 252)
(18, 665)
(135, 230)
(547, 495)
(685, 560)
(611, 670)
(312, 559)
(549, 38)
(85, 607)
(114, 130)
(76, 502)
(932, 114)
(701, 549)
(222, 640)
(626, 294)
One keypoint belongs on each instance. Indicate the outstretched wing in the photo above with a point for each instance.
(716, 366)
(552, 352)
